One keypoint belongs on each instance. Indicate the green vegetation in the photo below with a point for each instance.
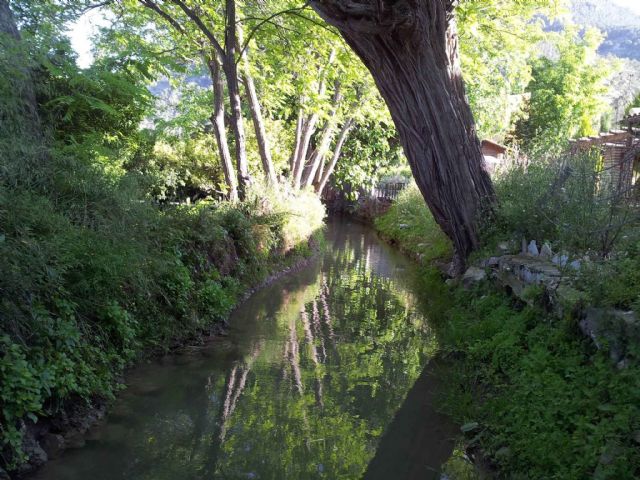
(409, 224)
(535, 398)
(95, 272)
(565, 93)
(140, 197)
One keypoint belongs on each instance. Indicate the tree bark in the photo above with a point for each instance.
(317, 156)
(231, 73)
(28, 121)
(411, 50)
(308, 129)
(344, 132)
(219, 128)
(256, 115)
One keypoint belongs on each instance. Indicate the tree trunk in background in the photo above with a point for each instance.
(219, 128)
(231, 73)
(297, 144)
(344, 132)
(317, 156)
(308, 129)
(256, 115)
(26, 124)
(411, 50)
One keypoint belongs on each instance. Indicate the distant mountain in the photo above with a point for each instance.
(620, 25)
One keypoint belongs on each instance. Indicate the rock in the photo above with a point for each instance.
(560, 260)
(472, 276)
(569, 300)
(505, 248)
(403, 226)
(517, 272)
(612, 329)
(490, 262)
(576, 264)
(34, 452)
(546, 251)
(532, 249)
(52, 444)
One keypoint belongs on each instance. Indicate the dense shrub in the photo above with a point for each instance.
(572, 202)
(534, 397)
(93, 275)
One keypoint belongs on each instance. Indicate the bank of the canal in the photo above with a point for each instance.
(321, 374)
(536, 399)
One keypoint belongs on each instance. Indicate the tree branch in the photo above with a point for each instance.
(201, 26)
(154, 6)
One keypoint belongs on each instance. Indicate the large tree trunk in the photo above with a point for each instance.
(231, 73)
(328, 171)
(411, 50)
(219, 128)
(256, 115)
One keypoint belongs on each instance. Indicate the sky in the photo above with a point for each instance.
(633, 5)
(82, 31)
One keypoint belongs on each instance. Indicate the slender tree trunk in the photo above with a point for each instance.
(411, 50)
(256, 115)
(344, 132)
(231, 73)
(219, 128)
(309, 128)
(297, 144)
(319, 173)
(317, 156)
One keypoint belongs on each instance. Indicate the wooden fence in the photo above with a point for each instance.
(389, 191)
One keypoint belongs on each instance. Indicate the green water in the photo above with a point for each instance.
(322, 376)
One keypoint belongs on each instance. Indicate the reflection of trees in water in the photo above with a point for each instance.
(235, 384)
(292, 350)
(324, 293)
(312, 400)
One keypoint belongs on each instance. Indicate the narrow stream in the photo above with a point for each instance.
(322, 376)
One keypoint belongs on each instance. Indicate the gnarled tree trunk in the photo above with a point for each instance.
(411, 50)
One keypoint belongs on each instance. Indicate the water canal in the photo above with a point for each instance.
(324, 374)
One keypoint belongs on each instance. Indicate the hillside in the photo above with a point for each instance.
(621, 26)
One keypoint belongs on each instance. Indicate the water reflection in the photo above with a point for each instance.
(311, 375)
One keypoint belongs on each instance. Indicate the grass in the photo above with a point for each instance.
(410, 225)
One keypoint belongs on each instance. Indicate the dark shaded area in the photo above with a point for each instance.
(419, 436)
